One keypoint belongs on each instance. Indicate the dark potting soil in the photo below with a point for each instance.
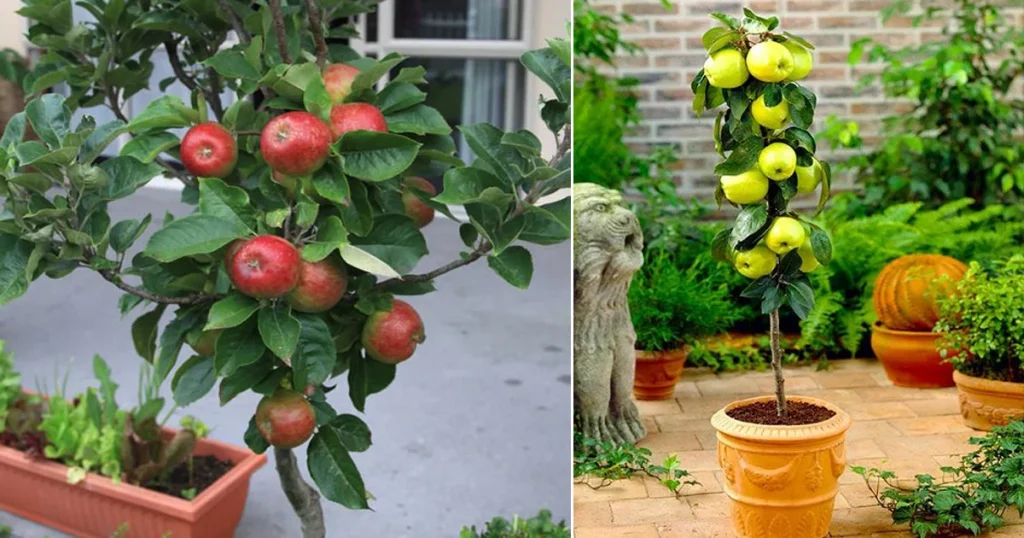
(205, 471)
(766, 413)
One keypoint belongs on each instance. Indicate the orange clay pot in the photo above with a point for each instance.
(95, 507)
(911, 358)
(782, 480)
(907, 288)
(657, 373)
(985, 403)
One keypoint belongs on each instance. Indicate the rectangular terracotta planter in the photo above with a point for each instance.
(94, 508)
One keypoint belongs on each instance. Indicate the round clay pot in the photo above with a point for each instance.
(911, 358)
(657, 373)
(985, 403)
(782, 480)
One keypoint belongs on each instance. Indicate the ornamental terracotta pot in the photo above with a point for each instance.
(985, 403)
(657, 373)
(96, 507)
(911, 358)
(781, 480)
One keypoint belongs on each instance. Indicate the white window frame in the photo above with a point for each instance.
(470, 49)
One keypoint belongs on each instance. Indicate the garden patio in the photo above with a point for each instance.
(909, 431)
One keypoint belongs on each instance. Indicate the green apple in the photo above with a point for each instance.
(808, 262)
(756, 262)
(808, 177)
(785, 234)
(772, 117)
(746, 188)
(726, 69)
(769, 61)
(777, 161)
(802, 60)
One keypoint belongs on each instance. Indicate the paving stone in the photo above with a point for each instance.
(699, 460)
(794, 384)
(736, 387)
(895, 394)
(675, 423)
(864, 448)
(594, 513)
(642, 511)
(708, 440)
(654, 408)
(709, 506)
(880, 410)
(860, 521)
(870, 429)
(618, 490)
(686, 390)
(925, 445)
(632, 531)
(650, 424)
(845, 398)
(936, 406)
(670, 442)
(708, 484)
(857, 495)
(700, 528)
(844, 380)
(930, 425)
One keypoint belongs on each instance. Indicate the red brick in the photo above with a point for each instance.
(680, 60)
(682, 25)
(654, 8)
(674, 94)
(848, 21)
(814, 5)
(659, 43)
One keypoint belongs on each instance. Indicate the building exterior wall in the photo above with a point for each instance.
(674, 54)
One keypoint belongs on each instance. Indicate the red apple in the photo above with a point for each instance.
(209, 150)
(285, 419)
(205, 343)
(391, 336)
(338, 81)
(321, 285)
(231, 250)
(295, 143)
(265, 267)
(414, 207)
(356, 117)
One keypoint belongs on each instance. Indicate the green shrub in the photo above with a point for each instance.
(985, 317)
(10, 383)
(600, 113)
(672, 305)
(962, 137)
(971, 497)
(539, 526)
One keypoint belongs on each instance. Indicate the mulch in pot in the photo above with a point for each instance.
(766, 413)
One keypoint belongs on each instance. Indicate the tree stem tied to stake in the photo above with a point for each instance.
(279, 33)
(304, 499)
(316, 23)
(780, 381)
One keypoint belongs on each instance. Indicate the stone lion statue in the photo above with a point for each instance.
(607, 249)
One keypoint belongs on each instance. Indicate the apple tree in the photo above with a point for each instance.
(769, 158)
(307, 207)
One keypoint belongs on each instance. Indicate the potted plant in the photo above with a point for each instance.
(113, 468)
(983, 324)
(306, 229)
(905, 297)
(781, 456)
(671, 307)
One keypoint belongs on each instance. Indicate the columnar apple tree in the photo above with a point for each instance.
(769, 158)
(308, 207)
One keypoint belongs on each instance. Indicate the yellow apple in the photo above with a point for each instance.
(756, 262)
(808, 262)
(785, 234)
(802, 60)
(777, 161)
(746, 188)
(726, 69)
(808, 177)
(772, 117)
(769, 61)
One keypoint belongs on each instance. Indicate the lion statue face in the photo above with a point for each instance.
(607, 240)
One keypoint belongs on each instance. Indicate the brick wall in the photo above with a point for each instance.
(674, 54)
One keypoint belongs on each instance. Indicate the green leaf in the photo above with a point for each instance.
(254, 439)
(548, 224)
(331, 236)
(316, 99)
(358, 214)
(15, 254)
(485, 141)
(147, 147)
(712, 34)
(515, 265)
(193, 380)
(367, 376)
(244, 379)
(100, 138)
(722, 41)
(192, 235)
(803, 42)
(800, 138)
(826, 185)
(395, 240)
(167, 112)
(237, 347)
(353, 432)
(549, 68)
(472, 185)
(399, 96)
(50, 119)
(172, 339)
(144, 331)
(720, 249)
(332, 185)
(370, 75)
(468, 234)
(279, 330)
(419, 119)
(700, 95)
(377, 156)
(743, 158)
(333, 470)
(360, 259)
(14, 132)
(751, 221)
(801, 298)
(315, 357)
(231, 311)
(500, 235)
(125, 176)
(232, 64)
(725, 19)
(772, 94)
(226, 202)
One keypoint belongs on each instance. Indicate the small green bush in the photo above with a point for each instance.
(539, 526)
(985, 317)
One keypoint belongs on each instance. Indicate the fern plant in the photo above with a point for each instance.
(843, 313)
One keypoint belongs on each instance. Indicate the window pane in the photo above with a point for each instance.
(469, 91)
(458, 19)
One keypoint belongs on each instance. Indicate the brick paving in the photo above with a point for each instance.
(909, 431)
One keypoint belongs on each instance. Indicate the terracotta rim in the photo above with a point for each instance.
(666, 355)
(988, 386)
(919, 335)
(837, 425)
(191, 511)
